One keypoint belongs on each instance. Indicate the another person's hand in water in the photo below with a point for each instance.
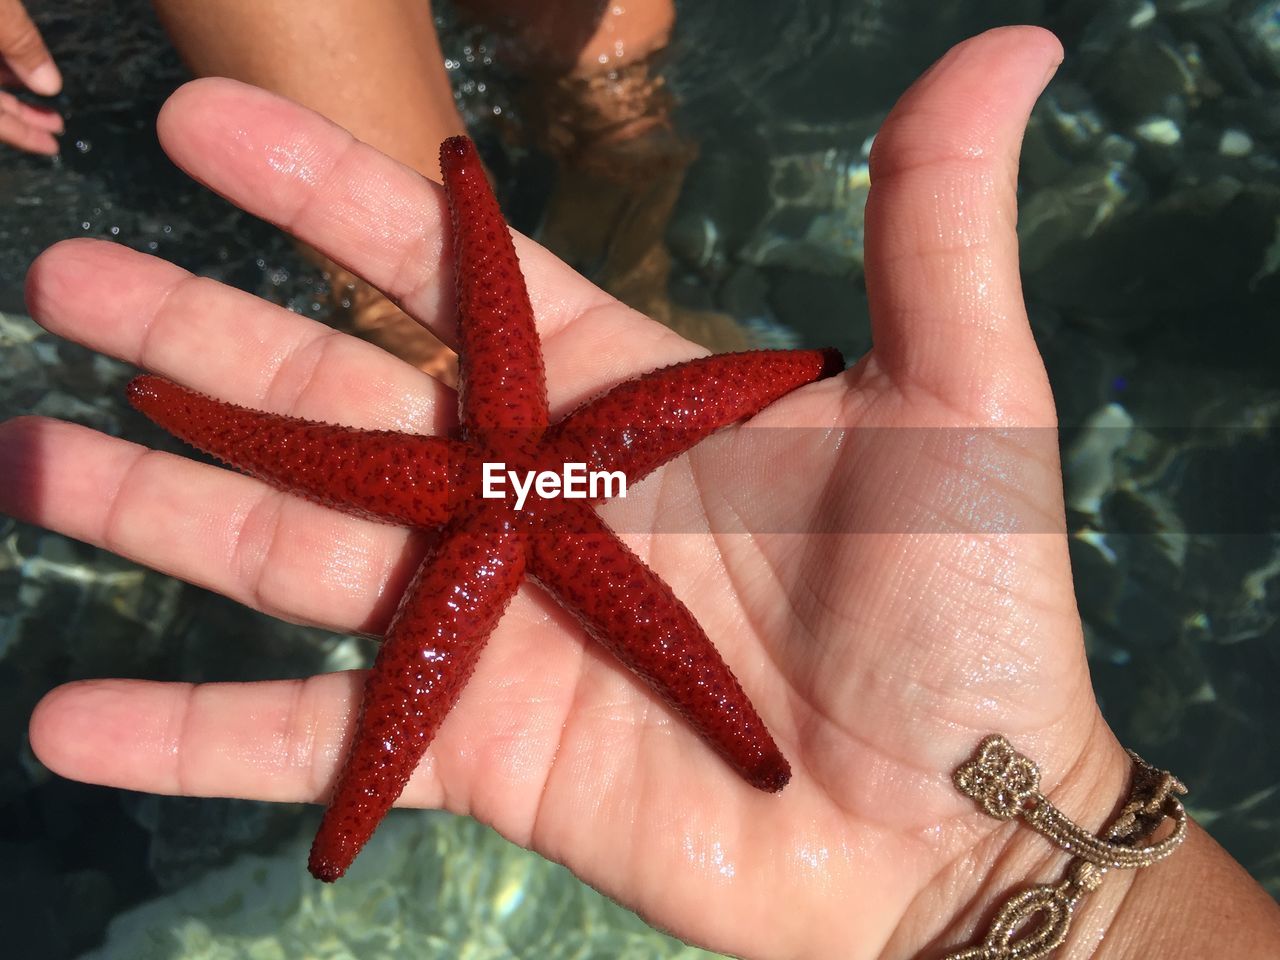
(877, 659)
(588, 95)
(25, 62)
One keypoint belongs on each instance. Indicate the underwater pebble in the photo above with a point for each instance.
(1235, 143)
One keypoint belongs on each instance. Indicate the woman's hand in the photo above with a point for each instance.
(937, 607)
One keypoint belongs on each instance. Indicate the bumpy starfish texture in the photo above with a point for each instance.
(487, 546)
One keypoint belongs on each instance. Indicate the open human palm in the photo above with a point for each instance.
(928, 601)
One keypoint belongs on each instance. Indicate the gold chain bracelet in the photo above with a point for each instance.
(1006, 785)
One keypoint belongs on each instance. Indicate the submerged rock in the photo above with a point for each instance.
(427, 886)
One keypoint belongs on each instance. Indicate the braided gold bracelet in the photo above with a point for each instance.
(1006, 785)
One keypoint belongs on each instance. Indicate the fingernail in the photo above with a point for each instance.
(45, 80)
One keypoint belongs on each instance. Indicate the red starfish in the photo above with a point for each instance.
(487, 545)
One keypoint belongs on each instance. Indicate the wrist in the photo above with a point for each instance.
(1196, 903)
(1086, 775)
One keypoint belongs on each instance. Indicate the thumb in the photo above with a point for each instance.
(22, 48)
(942, 249)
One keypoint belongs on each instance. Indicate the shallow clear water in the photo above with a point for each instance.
(1150, 197)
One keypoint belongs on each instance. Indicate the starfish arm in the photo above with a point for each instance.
(382, 475)
(431, 649)
(502, 385)
(632, 612)
(641, 424)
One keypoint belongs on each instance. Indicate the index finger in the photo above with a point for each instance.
(388, 224)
